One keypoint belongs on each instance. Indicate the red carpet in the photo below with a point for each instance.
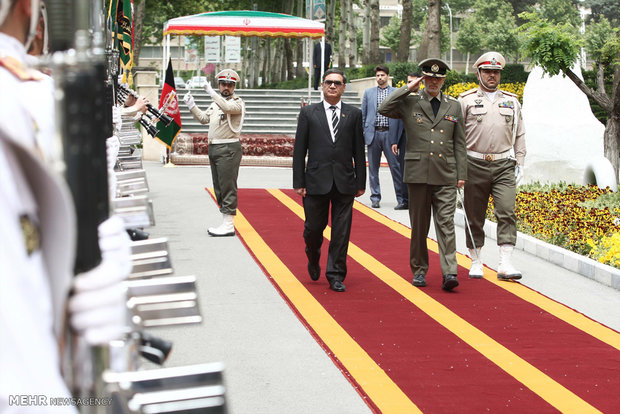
(487, 346)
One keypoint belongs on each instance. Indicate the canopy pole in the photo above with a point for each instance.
(322, 62)
(310, 68)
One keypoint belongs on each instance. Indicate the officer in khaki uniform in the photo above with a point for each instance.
(225, 119)
(494, 129)
(435, 165)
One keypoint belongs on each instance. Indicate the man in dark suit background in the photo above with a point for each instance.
(330, 134)
(316, 61)
(435, 165)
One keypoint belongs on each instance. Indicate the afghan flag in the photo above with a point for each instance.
(169, 104)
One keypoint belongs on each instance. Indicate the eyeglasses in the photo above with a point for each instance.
(332, 82)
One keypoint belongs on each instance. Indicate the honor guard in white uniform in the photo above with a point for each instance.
(225, 119)
(495, 155)
(37, 253)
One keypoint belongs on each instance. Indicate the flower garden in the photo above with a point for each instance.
(583, 219)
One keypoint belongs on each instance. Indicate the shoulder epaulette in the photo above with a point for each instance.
(469, 92)
(18, 69)
(452, 98)
(514, 95)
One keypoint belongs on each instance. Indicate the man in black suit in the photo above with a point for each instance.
(316, 61)
(330, 134)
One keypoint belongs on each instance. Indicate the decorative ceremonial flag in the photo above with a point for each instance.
(121, 11)
(169, 103)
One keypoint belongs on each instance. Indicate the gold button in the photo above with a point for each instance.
(432, 142)
(432, 130)
(431, 154)
(440, 142)
(439, 155)
(441, 131)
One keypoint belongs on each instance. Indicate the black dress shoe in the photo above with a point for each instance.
(449, 282)
(419, 280)
(375, 204)
(401, 206)
(314, 270)
(337, 286)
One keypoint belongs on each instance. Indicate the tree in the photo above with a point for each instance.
(560, 11)
(496, 20)
(470, 38)
(390, 34)
(555, 47)
(374, 56)
(430, 45)
(402, 53)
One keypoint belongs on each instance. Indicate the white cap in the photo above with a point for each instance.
(490, 60)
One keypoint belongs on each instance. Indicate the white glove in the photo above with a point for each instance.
(98, 306)
(116, 117)
(518, 173)
(189, 100)
(209, 89)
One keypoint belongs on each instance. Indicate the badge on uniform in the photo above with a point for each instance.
(478, 102)
(451, 118)
(418, 117)
(32, 240)
(507, 104)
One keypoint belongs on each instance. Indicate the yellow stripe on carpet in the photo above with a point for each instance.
(379, 387)
(568, 315)
(530, 376)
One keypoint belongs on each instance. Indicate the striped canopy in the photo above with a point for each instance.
(244, 23)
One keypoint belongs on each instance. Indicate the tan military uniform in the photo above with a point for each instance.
(494, 130)
(38, 238)
(225, 119)
(435, 159)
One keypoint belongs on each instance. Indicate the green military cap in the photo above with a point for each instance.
(435, 68)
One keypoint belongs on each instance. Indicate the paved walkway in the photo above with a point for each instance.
(273, 364)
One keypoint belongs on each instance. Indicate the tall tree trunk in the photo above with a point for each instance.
(467, 63)
(352, 41)
(267, 61)
(611, 142)
(430, 45)
(299, 43)
(374, 56)
(342, 36)
(366, 33)
(288, 60)
(402, 55)
(329, 22)
(138, 24)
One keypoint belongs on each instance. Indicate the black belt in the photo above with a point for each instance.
(382, 128)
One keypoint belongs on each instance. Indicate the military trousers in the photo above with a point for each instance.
(440, 201)
(225, 160)
(491, 178)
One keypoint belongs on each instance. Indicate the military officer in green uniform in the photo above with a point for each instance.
(495, 156)
(435, 165)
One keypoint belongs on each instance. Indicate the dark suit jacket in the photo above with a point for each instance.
(342, 162)
(435, 152)
(369, 115)
(316, 55)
